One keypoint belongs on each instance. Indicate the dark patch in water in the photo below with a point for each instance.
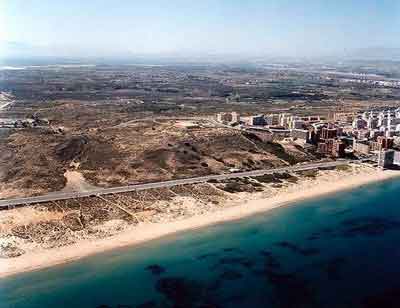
(254, 231)
(363, 226)
(324, 232)
(245, 262)
(271, 262)
(179, 290)
(207, 255)
(368, 226)
(149, 304)
(185, 293)
(231, 249)
(309, 251)
(230, 275)
(297, 249)
(265, 253)
(214, 286)
(291, 290)
(339, 213)
(390, 298)
(278, 277)
(258, 272)
(332, 267)
(208, 305)
(237, 298)
(327, 230)
(155, 269)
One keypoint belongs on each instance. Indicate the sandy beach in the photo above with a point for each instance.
(244, 205)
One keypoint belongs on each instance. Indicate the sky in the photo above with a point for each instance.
(203, 27)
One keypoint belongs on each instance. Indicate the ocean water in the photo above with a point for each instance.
(337, 251)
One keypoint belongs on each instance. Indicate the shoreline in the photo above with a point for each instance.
(45, 258)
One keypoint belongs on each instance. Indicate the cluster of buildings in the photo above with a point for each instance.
(378, 132)
(387, 121)
(372, 134)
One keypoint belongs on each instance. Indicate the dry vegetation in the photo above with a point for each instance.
(116, 152)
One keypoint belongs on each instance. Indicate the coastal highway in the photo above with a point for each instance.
(56, 196)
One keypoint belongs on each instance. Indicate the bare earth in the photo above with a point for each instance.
(188, 212)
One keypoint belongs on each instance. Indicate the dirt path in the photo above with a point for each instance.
(76, 182)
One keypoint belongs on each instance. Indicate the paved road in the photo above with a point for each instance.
(5, 204)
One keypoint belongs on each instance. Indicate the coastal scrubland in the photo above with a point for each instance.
(34, 161)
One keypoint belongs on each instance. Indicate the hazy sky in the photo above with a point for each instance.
(276, 27)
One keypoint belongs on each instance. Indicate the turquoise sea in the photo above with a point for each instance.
(337, 251)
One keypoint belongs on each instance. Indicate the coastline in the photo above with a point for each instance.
(243, 208)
